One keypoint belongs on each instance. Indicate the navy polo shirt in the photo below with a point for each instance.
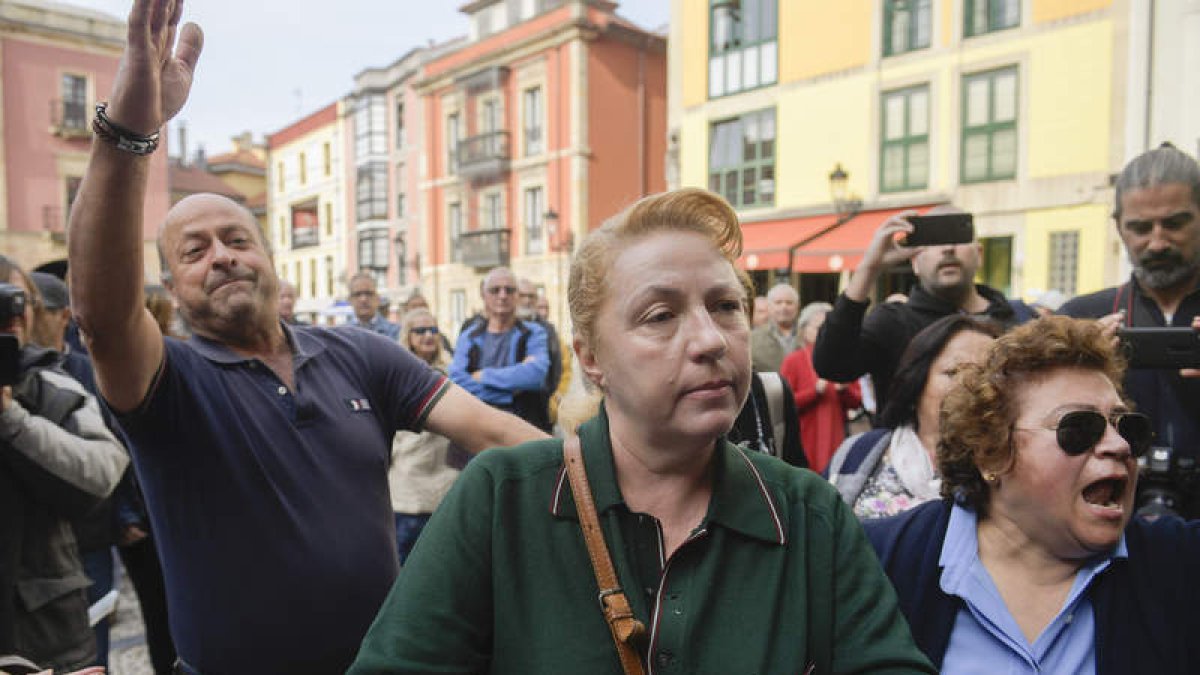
(270, 506)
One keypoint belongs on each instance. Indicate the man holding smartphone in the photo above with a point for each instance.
(1157, 215)
(850, 345)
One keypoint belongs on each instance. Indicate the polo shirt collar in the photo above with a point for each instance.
(741, 500)
(304, 346)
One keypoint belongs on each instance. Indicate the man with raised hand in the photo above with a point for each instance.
(262, 447)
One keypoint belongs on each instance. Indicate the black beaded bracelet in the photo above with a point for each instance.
(122, 138)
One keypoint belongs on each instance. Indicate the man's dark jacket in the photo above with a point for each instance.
(850, 345)
(1171, 401)
(1146, 606)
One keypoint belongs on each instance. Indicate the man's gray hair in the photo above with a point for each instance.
(811, 310)
(1160, 166)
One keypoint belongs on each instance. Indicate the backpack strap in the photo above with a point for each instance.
(773, 393)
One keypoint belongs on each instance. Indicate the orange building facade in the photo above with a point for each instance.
(549, 119)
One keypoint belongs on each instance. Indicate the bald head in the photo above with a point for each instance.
(783, 303)
(199, 205)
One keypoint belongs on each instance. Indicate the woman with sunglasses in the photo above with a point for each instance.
(420, 474)
(1031, 562)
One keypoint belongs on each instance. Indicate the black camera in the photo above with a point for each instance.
(12, 302)
(1167, 484)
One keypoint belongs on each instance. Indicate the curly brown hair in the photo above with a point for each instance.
(977, 417)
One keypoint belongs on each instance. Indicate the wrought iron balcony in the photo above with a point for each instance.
(484, 156)
(483, 249)
(69, 119)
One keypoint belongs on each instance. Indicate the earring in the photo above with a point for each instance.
(989, 477)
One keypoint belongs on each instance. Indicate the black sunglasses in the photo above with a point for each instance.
(425, 330)
(1080, 430)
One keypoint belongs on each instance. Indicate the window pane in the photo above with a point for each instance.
(716, 76)
(770, 20)
(733, 71)
(766, 185)
(1004, 153)
(893, 111)
(918, 165)
(977, 101)
(1006, 97)
(900, 28)
(714, 182)
(975, 149)
(750, 138)
(1008, 13)
(731, 187)
(977, 18)
(918, 112)
(751, 21)
(922, 21)
(749, 186)
(768, 62)
(750, 67)
(893, 167)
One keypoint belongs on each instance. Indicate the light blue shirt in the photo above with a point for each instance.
(986, 637)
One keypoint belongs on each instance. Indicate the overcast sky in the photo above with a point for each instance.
(267, 63)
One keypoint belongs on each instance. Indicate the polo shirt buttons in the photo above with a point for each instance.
(282, 390)
(664, 658)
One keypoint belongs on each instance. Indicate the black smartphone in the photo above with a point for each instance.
(10, 354)
(1161, 347)
(941, 229)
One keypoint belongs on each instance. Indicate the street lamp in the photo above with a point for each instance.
(845, 205)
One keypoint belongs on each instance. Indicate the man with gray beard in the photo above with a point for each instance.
(1157, 216)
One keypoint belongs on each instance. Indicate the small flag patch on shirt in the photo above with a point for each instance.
(359, 404)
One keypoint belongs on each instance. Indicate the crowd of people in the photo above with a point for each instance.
(672, 487)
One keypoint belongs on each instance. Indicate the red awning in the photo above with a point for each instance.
(766, 244)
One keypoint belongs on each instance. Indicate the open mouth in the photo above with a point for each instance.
(1106, 493)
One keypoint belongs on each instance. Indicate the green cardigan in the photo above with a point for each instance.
(778, 578)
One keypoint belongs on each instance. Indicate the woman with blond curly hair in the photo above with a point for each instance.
(727, 560)
(1032, 561)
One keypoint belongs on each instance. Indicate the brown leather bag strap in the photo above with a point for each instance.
(621, 621)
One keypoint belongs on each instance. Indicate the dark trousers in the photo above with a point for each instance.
(141, 562)
(98, 566)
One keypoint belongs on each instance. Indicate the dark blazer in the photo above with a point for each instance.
(1147, 606)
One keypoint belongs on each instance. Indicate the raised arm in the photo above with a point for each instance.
(105, 247)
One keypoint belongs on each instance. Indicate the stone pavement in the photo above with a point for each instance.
(127, 653)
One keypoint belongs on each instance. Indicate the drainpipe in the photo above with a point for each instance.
(1149, 77)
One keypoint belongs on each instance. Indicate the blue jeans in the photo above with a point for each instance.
(408, 528)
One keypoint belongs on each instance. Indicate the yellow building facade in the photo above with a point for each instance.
(306, 210)
(1010, 109)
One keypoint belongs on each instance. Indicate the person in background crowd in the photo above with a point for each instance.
(93, 532)
(261, 447)
(768, 422)
(504, 360)
(894, 468)
(1157, 215)
(418, 301)
(850, 345)
(420, 474)
(541, 308)
(527, 311)
(1030, 562)
(823, 405)
(364, 298)
(287, 303)
(738, 562)
(57, 462)
(761, 313)
(770, 343)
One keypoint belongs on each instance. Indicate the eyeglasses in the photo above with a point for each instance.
(425, 330)
(1080, 430)
(495, 290)
(363, 294)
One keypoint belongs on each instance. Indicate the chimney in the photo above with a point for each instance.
(183, 149)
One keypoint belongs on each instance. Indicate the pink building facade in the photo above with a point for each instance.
(56, 62)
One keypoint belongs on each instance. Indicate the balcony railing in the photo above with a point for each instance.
(69, 119)
(483, 248)
(484, 156)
